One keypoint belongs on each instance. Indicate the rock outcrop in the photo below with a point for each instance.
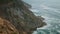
(17, 17)
(7, 28)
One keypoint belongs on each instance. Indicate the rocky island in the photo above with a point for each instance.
(16, 18)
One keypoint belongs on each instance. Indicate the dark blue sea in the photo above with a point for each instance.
(50, 10)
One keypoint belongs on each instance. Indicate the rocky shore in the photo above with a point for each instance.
(16, 18)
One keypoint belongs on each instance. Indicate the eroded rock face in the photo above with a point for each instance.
(19, 15)
(7, 28)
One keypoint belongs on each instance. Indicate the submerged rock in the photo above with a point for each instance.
(19, 15)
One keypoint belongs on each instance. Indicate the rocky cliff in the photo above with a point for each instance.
(17, 17)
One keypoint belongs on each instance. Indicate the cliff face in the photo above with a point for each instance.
(7, 28)
(18, 14)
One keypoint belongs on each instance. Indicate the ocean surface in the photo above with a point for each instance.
(50, 10)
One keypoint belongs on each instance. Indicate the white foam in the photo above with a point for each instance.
(34, 10)
(35, 32)
(45, 27)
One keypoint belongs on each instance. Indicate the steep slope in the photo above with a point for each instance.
(7, 28)
(18, 14)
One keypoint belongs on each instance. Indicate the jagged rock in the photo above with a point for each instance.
(6, 27)
(18, 14)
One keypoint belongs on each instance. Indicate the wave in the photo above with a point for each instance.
(44, 7)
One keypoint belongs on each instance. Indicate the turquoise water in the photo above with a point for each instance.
(50, 10)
